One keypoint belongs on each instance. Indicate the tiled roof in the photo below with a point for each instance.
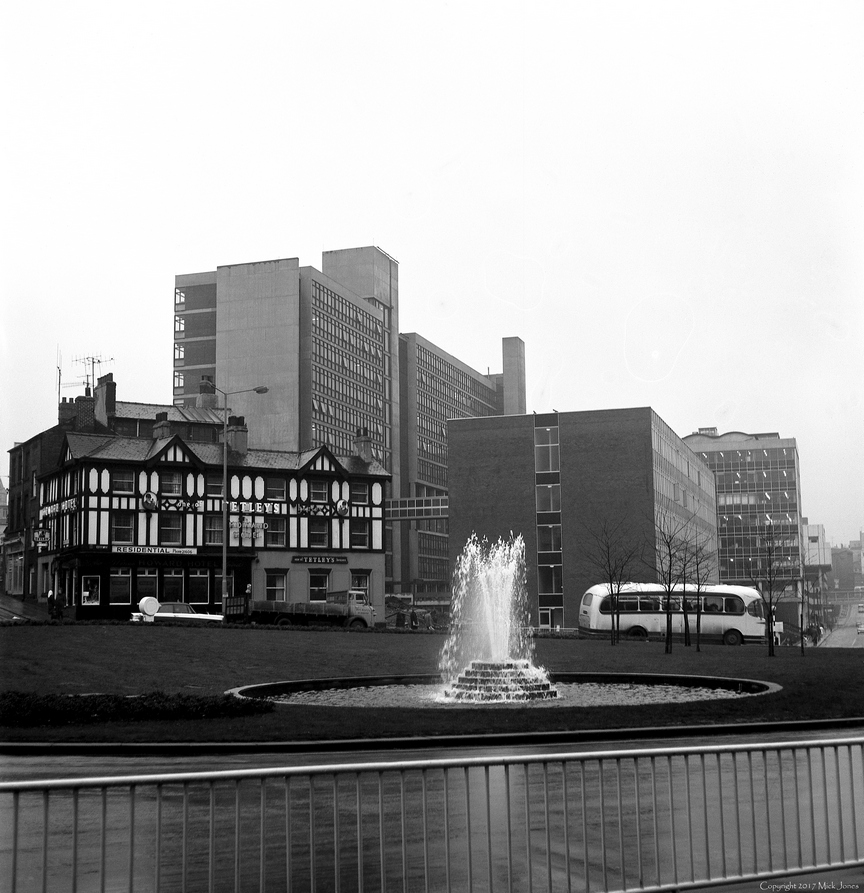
(128, 410)
(140, 449)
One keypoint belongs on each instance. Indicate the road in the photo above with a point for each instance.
(845, 633)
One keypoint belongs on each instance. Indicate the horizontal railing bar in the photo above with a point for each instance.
(125, 781)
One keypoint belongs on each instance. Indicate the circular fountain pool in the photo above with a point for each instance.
(574, 690)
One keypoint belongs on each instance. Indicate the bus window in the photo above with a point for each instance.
(734, 605)
(713, 604)
(628, 604)
(672, 604)
(756, 609)
(649, 604)
(692, 604)
(587, 599)
(606, 605)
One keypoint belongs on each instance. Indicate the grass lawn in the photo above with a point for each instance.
(135, 659)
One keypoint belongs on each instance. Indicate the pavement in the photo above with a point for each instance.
(12, 608)
(850, 878)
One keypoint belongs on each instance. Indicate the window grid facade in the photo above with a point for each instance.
(550, 557)
(758, 507)
(350, 375)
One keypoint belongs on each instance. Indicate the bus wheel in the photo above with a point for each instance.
(732, 637)
(284, 621)
(637, 633)
(356, 624)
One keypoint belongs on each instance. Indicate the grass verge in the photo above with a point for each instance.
(203, 663)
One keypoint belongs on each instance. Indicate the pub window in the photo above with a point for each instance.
(171, 483)
(172, 585)
(123, 480)
(213, 530)
(217, 581)
(274, 535)
(90, 591)
(274, 488)
(147, 583)
(318, 491)
(120, 586)
(359, 533)
(199, 586)
(171, 529)
(318, 585)
(360, 492)
(275, 586)
(319, 533)
(214, 484)
(360, 580)
(123, 528)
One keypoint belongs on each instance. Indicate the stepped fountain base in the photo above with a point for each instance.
(505, 681)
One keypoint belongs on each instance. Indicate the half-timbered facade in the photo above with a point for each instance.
(123, 518)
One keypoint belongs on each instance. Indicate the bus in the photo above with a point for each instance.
(732, 615)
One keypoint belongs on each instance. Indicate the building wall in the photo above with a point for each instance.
(119, 529)
(258, 344)
(758, 486)
(529, 474)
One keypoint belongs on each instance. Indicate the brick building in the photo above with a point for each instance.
(551, 477)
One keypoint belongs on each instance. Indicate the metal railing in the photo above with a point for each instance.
(658, 819)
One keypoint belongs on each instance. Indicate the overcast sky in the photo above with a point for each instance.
(665, 201)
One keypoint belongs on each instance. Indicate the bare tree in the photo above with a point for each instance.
(702, 567)
(672, 553)
(770, 576)
(614, 554)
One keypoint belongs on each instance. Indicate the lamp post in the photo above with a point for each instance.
(225, 396)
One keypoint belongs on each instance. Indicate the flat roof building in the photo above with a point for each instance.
(555, 477)
(327, 346)
(758, 504)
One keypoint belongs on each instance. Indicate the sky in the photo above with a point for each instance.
(664, 200)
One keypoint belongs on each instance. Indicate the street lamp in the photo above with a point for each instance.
(225, 396)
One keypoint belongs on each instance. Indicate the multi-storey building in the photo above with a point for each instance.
(435, 388)
(123, 518)
(326, 344)
(554, 477)
(758, 505)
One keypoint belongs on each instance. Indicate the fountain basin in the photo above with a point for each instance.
(575, 690)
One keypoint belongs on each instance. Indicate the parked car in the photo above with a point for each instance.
(172, 611)
(859, 627)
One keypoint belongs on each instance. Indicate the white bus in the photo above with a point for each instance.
(730, 614)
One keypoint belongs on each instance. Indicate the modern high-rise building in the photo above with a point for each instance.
(326, 344)
(555, 478)
(758, 504)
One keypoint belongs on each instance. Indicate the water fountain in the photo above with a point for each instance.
(488, 661)
(489, 653)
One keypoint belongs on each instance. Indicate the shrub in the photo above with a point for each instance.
(25, 709)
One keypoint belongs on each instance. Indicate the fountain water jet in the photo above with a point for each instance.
(489, 654)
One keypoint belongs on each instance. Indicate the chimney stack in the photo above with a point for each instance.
(106, 399)
(162, 427)
(363, 445)
(238, 435)
(207, 398)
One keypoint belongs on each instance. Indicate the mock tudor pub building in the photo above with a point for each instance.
(123, 518)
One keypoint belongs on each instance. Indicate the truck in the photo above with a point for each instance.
(350, 608)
